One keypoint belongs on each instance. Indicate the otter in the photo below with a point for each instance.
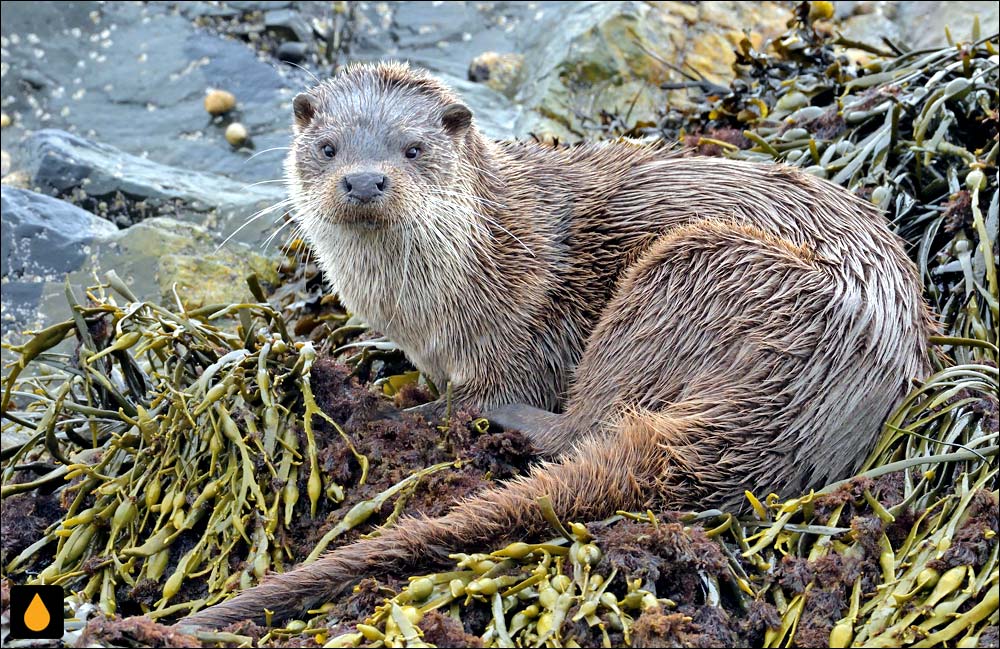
(668, 331)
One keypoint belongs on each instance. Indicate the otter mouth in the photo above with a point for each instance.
(364, 217)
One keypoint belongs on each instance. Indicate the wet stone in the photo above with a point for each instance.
(66, 165)
(293, 51)
(43, 238)
(287, 25)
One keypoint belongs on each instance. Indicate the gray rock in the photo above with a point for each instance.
(495, 115)
(60, 162)
(446, 37)
(199, 9)
(196, 9)
(287, 25)
(915, 24)
(293, 51)
(47, 242)
(258, 5)
(870, 21)
(43, 239)
(923, 23)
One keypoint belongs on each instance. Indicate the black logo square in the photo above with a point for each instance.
(36, 612)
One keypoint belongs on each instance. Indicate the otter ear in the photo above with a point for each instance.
(304, 110)
(456, 118)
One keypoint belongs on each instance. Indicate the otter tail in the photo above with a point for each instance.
(626, 470)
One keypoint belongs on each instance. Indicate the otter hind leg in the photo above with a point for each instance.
(794, 360)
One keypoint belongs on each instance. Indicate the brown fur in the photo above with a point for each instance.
(705, 326)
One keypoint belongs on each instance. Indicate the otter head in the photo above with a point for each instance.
(373, 145)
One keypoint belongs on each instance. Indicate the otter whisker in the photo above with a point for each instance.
(314, 77)
(402, 281)
(303, 251)
(434, 227)
(274, 148)
(270, 208)
(267, 210)
(264, 182)
(274, 234)
(485, 216)
(496, 223)
(512, 236)
(489, 174)
(295, 234)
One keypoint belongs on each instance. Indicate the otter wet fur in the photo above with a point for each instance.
(669, 331)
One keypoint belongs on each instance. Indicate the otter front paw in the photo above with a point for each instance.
(431, 411)
(540, 426)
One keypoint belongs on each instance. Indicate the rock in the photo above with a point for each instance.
(154, 257)
(495, 114)
(913, 25)
(258, 5)
(613, 57)
(923, 23)
(445, 37)
(293, 51)
(195, 9)
(201, 280)
(63, 164)
(162, 253)
(219, 102)
(287, 25)
(869, 22)
(43, 239)
(236, 134)
(501, 72)
(19, 179)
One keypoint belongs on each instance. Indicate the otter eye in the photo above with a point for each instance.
(328, 150)
(413, 152)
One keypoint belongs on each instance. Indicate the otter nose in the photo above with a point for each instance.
(365, 186)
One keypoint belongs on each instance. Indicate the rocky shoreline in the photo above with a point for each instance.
(104, 122)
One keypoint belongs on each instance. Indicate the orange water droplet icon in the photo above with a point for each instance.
(37, 616)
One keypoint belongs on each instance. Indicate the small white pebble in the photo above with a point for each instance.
(236, 134)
